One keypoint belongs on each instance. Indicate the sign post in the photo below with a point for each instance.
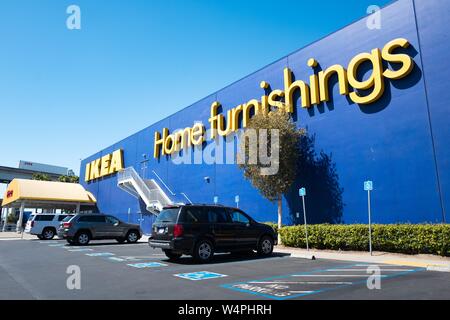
(236, 199)
(302, 193)
(368, 186)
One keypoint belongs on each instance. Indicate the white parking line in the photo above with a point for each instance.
(331, 275)
(381, 269)
(302, 282)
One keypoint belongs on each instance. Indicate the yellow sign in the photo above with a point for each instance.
(104, 166)
(313, 93)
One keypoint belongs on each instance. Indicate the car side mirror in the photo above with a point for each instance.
(116, 224)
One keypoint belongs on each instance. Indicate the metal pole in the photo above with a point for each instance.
(370, 222)
(6, 219)
(306, 226)
(19, 223)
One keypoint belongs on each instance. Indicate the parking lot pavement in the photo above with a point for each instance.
(36, 269)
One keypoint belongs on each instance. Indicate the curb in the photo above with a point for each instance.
(438, 268)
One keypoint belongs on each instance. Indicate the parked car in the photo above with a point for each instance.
(45, 225)
(83, 228)
(202, 230)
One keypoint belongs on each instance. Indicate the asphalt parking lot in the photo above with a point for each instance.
(34, 269)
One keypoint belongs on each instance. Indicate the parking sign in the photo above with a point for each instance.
(302, 192)
(368, 185)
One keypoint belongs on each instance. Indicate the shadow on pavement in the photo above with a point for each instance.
(226, 258)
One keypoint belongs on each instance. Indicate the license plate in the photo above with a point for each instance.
(161, 230)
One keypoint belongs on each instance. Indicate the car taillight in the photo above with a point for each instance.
(67, 225)
(177, 230)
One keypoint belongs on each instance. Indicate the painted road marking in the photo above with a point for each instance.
(116, 259)
(334, 275)
(200, 275)
(406, 263)
(147, 265)
(134, 258)
(79, 250)
(57, 245)
(283, 287)
(100, 254)
(381, 269)
(302, 282)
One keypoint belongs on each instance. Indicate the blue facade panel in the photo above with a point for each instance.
(399, 142)
(433, 30)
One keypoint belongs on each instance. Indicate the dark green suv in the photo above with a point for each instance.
(202, 230)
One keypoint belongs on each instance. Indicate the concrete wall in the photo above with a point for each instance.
(400, 142)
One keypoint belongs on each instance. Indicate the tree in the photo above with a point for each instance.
(272, 186)
(69, 179)
(41, 177)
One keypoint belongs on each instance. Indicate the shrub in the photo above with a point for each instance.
(399, 238)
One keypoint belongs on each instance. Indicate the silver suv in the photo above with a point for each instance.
(83, 228)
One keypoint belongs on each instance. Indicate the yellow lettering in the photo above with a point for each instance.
(213, 119)
(251, 105)
(87, 172)
(375, 81)
(406, 61)
(274, 97)
(324, 78)
(159, 143)
(95, 169)
(116, 163)
(104, 167)
(290, 88)
(197, 134)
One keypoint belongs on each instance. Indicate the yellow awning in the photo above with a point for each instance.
(34, 190)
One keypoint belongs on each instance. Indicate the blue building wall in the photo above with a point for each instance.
(400, 142)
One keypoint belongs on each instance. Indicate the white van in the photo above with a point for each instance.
(44, 225)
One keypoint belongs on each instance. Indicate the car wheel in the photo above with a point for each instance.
(82, 238)
(204, 251)
(265, 246)
(132, 236)
(48, 234)
(120, 240)
(171, 255)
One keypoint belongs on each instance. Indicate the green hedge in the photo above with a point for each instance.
(400, 238)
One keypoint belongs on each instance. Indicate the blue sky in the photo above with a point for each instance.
(65, 94)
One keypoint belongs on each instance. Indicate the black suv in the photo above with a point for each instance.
(201, 230)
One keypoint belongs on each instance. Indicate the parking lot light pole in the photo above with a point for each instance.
(236, 199)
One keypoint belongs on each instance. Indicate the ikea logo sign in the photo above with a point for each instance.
(104, 166)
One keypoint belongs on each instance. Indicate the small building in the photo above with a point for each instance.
(48, 196)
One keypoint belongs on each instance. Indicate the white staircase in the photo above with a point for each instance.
(149, 191)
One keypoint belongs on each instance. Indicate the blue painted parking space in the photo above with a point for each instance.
(317, 281)
(200, 275)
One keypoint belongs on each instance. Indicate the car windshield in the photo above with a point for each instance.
(168, 215)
